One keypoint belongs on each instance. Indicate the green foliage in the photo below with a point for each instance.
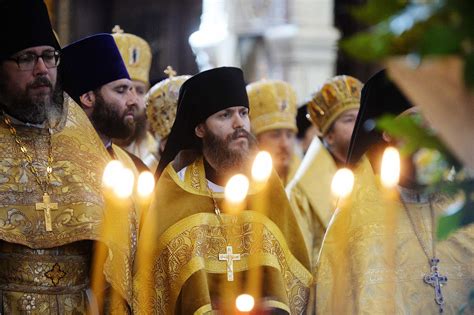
(424, 28)
(409, 130)
(375, 11)
(445, 173)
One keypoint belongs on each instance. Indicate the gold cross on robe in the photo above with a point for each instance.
(55, 274)
(229, 257)
(47, 206)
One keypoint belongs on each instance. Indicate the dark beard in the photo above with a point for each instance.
(109, 121)
(224, 160)
(139, 132)
(34, 110)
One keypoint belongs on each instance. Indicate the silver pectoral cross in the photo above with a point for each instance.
(436, 281)
(229, 257)
(47, 206)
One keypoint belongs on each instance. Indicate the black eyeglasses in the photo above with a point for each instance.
(29, 60)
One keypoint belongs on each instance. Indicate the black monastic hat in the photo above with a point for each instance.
(90, 63)
(201, 96)
(24, 24)
(379, 96)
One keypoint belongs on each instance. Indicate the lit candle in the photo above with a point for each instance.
(390, 169)
(389, 176)
(262, 167)
(342, 183)
(115, 212)
(145, 187)
(111, 174)
(235, 192)
(123, 188)
(261, 170)
(244, 303)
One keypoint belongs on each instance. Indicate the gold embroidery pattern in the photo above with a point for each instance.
(55, 274)
(205, 242)
(195, 179)
(358, 236)
(76, 184)
(26, 288)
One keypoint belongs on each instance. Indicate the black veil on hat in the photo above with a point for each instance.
(379, 96)
(24, 24)
(201, 96)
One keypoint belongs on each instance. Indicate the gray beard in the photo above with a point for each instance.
(34, 110)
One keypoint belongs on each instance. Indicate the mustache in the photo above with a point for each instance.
(40, 81)
(241, 133)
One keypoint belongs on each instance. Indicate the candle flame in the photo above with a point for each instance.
(236, 188)
(245, 303)
(146, 184)
(123, 188)
(342, 183)
(390, 172)
(111, 173)
(262, 166)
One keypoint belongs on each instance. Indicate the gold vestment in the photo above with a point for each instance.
(311, 198)
(48, 271)
(146, 150)
(371, 261)
(294, 164)
(178, 269)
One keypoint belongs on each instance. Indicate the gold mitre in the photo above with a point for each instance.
(272, 105)
(135, 52)
(336, 96)
(162, 102)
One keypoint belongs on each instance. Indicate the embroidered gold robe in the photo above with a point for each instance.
(46, 272)
(179, 271)
(146, 150)
(295, 163)
(371, 261)
(311, 198)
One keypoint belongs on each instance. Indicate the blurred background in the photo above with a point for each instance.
(291, 40)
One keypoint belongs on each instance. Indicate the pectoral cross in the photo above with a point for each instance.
(436, 281)
(47, 206)
(229, 257)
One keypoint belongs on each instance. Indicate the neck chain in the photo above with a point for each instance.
(217, 210)
(434, 278)
(229, 255)
(46, 205)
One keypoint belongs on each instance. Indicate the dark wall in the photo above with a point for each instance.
(165, 25)
(348, 26)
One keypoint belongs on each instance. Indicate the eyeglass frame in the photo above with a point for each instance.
(56, 56)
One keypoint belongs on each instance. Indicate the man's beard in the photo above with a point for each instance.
(226, 160)
(109, 121)
(139, 131)
(33, 109)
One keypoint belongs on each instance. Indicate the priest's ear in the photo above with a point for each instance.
(200, 131)
(87, 100)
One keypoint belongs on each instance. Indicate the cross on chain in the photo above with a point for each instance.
(229, 257)
(47, 206)
(436, 281)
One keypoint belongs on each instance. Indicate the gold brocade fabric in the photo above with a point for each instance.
(178, 270)
(76, 186)
(311, 198)
(46, 281)
(295, 163)
(120, 234)
(371, 261)
(146, 150)
(79, 160)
